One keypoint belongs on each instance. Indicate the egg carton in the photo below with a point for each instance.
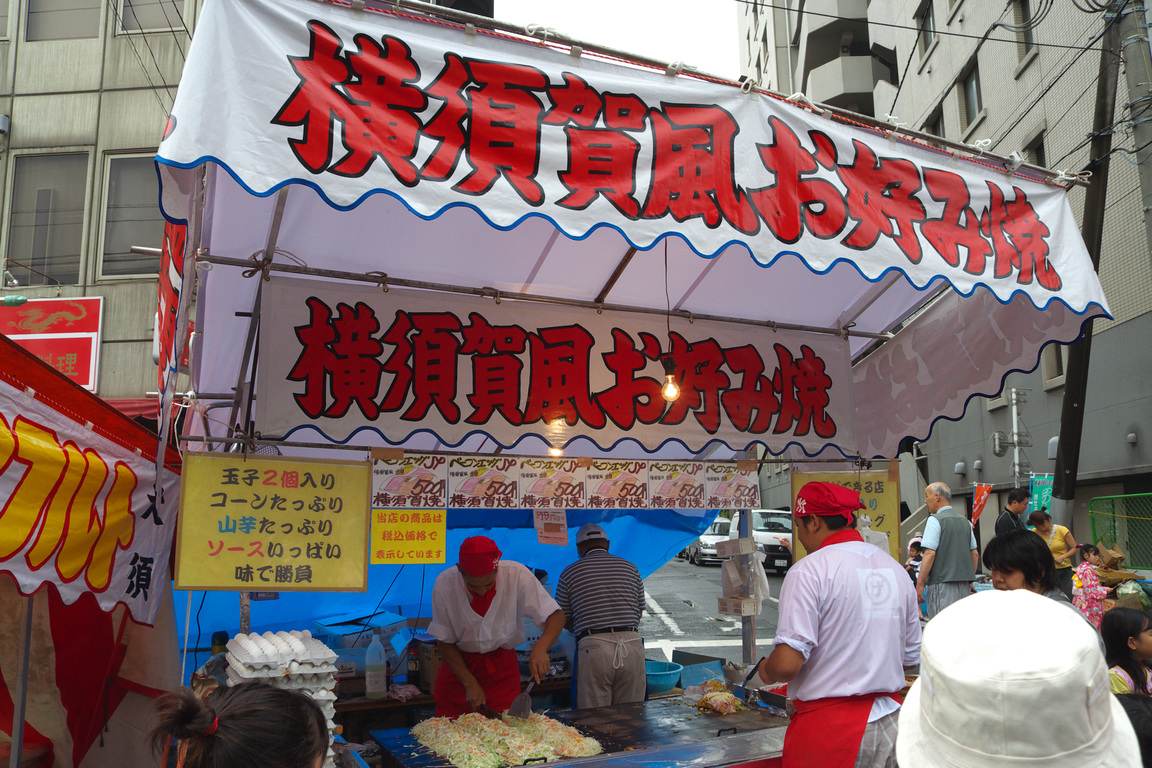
(280, 649)
(236, 675)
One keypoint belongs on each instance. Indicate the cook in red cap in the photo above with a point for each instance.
(827, 499)
(847, 627)
(479, 556)
(478, 613)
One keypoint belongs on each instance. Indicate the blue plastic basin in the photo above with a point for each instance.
(662, 675)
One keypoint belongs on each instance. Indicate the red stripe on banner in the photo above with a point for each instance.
(24, 370)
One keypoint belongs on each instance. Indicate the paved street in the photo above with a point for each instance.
(682, 614)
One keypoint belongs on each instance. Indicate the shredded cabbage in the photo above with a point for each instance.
(474, 741)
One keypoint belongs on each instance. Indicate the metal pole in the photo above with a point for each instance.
(1092, 229)
(747, 623)
(21, 696)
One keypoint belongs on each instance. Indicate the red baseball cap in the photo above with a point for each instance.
(479, 556)
(827, 499)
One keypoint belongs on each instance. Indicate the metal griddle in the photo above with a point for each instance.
(659, 724)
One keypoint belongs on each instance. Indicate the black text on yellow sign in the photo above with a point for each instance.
(273, 524)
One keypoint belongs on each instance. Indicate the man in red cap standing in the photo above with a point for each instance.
(849, 626)
(478, 611)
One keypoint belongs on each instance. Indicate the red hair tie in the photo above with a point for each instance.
(212, 728)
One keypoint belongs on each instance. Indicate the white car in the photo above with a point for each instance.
(768, 527)
(703, 550)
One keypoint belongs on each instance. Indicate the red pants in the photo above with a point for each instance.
(498, 673)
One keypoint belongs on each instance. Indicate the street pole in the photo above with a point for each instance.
(1092, 229)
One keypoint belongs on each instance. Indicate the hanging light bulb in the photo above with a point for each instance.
(671, 390)
(555, 452)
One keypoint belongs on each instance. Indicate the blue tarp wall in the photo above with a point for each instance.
(647, 537)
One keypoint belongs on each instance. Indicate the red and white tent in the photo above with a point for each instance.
(84, 576)
(417, 193)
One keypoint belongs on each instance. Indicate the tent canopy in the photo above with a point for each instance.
(377, 146)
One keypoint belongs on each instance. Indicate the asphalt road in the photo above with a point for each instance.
(681, 613)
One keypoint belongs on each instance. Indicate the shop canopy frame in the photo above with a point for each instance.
(938, 271)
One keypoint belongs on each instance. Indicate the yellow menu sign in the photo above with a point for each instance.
(273, 524)
(879, 489)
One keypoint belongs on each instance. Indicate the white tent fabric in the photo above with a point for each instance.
(941, 274)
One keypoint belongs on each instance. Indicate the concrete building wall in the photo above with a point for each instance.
(103, 97)
(1038, 97)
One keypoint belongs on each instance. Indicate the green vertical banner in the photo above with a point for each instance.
(1041, 491)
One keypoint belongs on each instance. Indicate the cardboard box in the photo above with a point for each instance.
(735, 547)
(429, 666)
(739, 606)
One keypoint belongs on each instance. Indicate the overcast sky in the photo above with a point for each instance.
(701, 33)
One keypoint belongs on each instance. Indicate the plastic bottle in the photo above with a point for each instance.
(375, 670)
(413, 664)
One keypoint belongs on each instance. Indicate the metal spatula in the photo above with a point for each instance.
(522, 704)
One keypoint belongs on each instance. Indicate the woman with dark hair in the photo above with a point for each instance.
(1060, 543)
(250, 724)
(1019, 560)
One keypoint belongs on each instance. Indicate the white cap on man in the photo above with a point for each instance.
(590, 531)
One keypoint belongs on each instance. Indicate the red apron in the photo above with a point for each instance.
(498, 673)
(828, 732)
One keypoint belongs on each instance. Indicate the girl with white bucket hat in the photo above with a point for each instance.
(1013, 679)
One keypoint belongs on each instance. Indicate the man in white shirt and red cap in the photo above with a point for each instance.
(478, 611)
(849, 626)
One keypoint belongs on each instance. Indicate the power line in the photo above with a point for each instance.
(871, 23)
(155, 91)
(163, 9)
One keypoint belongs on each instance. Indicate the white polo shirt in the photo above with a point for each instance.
(851, 610)
(518, 595)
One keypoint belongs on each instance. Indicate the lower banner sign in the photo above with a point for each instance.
(342, 359)
(879, 489)
(249, 523)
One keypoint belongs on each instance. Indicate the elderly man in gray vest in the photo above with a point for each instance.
(950, 555)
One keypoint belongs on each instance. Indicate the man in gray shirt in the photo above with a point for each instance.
(950, 554)
(602, 597)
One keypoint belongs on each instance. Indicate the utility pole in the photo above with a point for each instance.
(1122, 26)
(1138, 68)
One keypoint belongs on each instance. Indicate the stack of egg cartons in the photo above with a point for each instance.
(288, 660)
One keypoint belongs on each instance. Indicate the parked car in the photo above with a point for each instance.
(768, 527)
(703, 550)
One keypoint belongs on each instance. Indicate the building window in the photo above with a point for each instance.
(927, 26)
(4, 19)
(970, 95)
(131, 217)
(63, 19)
(46, 224)
(1035, 153)
(1022, 16)
(144, 15)
(1053, 362)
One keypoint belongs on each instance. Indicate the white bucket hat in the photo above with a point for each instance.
(1015, 679)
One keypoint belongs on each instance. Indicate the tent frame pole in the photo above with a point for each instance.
(21, 697)
(387, 281)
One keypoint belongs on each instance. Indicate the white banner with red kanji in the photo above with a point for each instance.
(77, 505)
(354, 103)
(344, 358)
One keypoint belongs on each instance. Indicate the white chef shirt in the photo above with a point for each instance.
(851, 610)
(518, 595)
